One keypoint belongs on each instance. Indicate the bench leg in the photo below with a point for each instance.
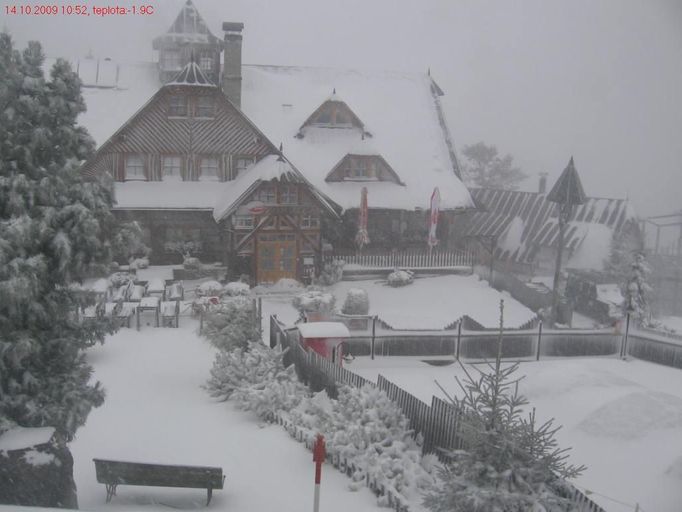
(210, 495)
(111, 491)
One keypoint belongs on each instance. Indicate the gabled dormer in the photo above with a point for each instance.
(334, 113)
(363, 167)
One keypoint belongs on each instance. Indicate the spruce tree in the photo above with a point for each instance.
(54, 229)
(509, 462)
(637, 290)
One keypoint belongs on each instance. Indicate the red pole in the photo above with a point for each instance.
(319, 454)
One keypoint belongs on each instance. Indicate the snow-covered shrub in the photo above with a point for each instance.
(237, 288)
(314, 301)
(365, 427)
(255, 378)
(139, 263)
(231, 324)
(356, 303)
(191, 263)
(400, 278)
(331, 273)
(119, 279)
(209, 289)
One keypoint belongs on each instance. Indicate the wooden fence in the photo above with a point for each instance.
(438, 425)
(408, 259)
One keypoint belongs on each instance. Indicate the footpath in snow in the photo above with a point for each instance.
(156, 411)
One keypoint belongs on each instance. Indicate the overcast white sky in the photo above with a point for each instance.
(542, 80)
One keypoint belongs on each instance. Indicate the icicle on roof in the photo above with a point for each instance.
(191, 74)
(568, 189)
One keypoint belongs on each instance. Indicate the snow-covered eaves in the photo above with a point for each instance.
(323, 330)
(140, 195)
(271, 167)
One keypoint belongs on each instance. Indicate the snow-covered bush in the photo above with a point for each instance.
(356, 303)
(209, 289)
(314, 301)
(255, 378)
(637, 290)
(231, 324)
(237, 288)
(369, 430)
(191, 263)
(139, 263)
(331, 273)
(119, 279)
(400, 278)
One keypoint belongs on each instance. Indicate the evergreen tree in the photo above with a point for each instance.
(485, 168)
(637, 290)
(54, 229)
(509, 463)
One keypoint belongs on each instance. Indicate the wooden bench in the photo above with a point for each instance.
(113, 473)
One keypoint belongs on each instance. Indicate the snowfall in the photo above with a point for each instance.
(623, 419)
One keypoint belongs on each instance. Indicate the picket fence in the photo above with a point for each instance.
(407, 259)
(436, 426)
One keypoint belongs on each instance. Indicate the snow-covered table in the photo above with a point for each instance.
(148, 304)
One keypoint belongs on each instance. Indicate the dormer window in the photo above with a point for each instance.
(206, 61)
(333, 113)
(134, 167)
(363, 168)
(205, 106)
(172, 60)
(177, 106)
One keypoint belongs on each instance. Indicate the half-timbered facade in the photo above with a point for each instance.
(179, 161)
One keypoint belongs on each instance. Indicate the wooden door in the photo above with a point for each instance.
(276, 257)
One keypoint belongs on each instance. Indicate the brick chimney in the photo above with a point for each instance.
(542, 184)
(232, 67)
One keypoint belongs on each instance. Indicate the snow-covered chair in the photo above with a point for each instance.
(137, 292)
(157, 288)
(170, 313)
(91, 312)
(111, 309)
(126, 312)
(175, 291)
(148, 304)
(122, 292)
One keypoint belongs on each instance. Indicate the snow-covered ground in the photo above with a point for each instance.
(435, 302)
(156, 411)
(623, 420)
(672, 322)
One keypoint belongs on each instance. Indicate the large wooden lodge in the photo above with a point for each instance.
(262, 167)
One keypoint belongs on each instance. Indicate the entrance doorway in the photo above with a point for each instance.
(276, 257)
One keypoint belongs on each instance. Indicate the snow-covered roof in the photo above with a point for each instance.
(323, 330)
(136, 195)
(269, 168)
(188, 27)
(400, 109)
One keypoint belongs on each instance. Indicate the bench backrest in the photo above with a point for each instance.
(158, 475)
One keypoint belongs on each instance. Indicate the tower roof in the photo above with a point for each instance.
(191, 74)
(189, 27)
(567, 189)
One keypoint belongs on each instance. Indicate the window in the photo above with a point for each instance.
(177, 106)
(135, 168)
(241, 165)
(288, 194)
(266, 194)
(205, 106)
(208, 170)
(309, 220)
(206, 61)
(172, 60)
(170, 168)
(243, 221)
